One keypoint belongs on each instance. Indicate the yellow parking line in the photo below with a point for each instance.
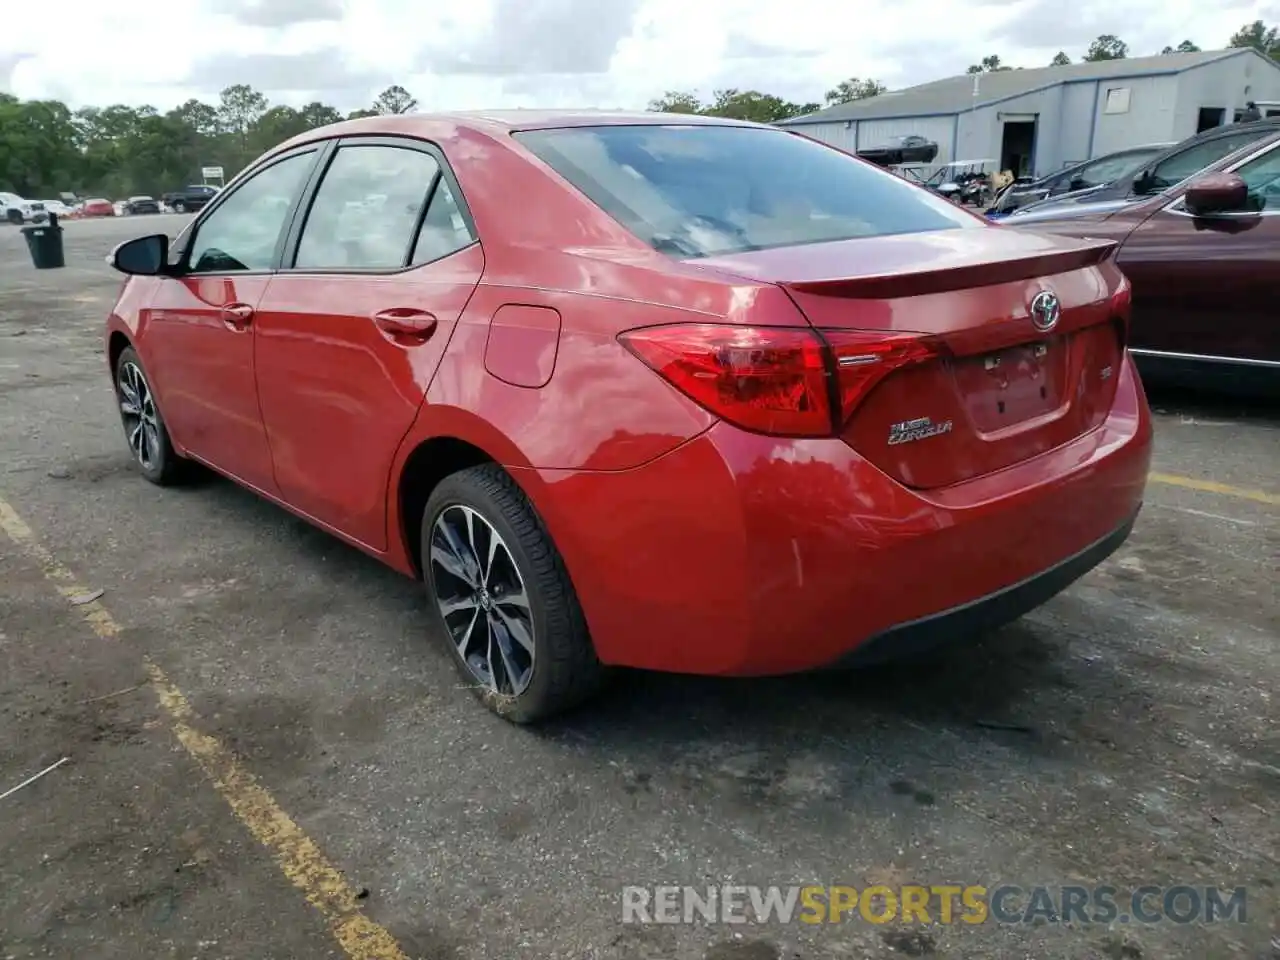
(296, 854)
(1212, 486)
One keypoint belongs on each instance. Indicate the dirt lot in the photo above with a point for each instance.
(1125, 734)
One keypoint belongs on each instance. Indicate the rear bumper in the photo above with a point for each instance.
(745, 555)
(989, 613)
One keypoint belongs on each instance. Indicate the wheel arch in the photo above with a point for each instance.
(443, 440)
(425, 466)
(117, 342)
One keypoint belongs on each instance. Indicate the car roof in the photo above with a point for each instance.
(1065, 207)
(549, 119)
(1261, 127)
(1266, 130)
(502, 122)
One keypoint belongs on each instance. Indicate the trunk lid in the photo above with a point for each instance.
(995, 390)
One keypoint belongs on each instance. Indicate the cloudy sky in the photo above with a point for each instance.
(457, 54)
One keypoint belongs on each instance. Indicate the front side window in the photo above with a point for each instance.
(697, 191)
(1194, 159)
(241, 234)
(1262, 175)
(367, 209)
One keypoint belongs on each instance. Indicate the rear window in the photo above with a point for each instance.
(698, 191)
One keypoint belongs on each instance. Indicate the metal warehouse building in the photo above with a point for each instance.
(1038, 121)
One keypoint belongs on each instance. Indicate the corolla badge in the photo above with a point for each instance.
(1045, 310)
(909, 431)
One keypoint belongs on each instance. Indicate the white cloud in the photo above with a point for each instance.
(455, 54)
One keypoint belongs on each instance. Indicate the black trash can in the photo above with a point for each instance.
(44, 240)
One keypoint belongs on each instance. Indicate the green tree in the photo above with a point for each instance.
(733, 104)
(1107, 47)
(847, 91)
(200, 117)
(319, 114)
(239, 108)
(1060, 59)
(120, 150)
(278, 124)
(1264, 39)
(989, 64)
(395, 99)
(755, 106)
(1186, 46)
(38, 148)
(677, 101)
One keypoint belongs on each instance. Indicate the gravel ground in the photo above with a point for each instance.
(1124, 734)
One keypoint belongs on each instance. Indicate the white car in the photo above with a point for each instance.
(14, 209)
(56, 207)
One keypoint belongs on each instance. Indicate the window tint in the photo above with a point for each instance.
(1111, 169)
(1194, 159)
(443, 229)
(241, 233)
(366, 209)
(1263, 177)
(695, 191)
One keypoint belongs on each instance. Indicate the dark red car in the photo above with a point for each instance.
(1204, 260)
(671, 393)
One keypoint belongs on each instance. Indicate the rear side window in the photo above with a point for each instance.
(444, 229)
(367, 209)
(1194, 159)
(697, 191)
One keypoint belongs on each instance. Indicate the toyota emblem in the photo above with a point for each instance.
(1045, 310)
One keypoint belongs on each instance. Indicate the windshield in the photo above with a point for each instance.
(698, 191)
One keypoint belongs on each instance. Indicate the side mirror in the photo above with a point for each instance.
(1216, 193)
(1142, 183)
(143, 257)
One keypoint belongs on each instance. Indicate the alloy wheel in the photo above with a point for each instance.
(138, 411)
(481, 597)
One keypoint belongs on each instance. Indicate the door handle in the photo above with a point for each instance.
(406, 323)
(237, 315)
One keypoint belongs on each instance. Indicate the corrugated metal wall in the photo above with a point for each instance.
(1076, 120)
(1227, 84)
(1073, 119)
(1152, 102)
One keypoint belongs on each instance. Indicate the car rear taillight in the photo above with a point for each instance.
(782, 381)
(864, 358)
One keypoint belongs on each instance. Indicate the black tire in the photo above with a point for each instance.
(179, 207)
(564, 671)
(14, 217)
(158, 461)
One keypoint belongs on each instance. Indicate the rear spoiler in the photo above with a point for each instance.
(962, 276)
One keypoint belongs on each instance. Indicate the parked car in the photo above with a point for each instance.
(56, 207)
(17, 210)
(1204, 260)
(191, 197)
(1090, 174)
(898, 150)
(628, 392)
(98, 207)
(137, 205)
(1165, 169)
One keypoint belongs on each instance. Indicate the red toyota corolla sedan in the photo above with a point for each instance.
(671, 393)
